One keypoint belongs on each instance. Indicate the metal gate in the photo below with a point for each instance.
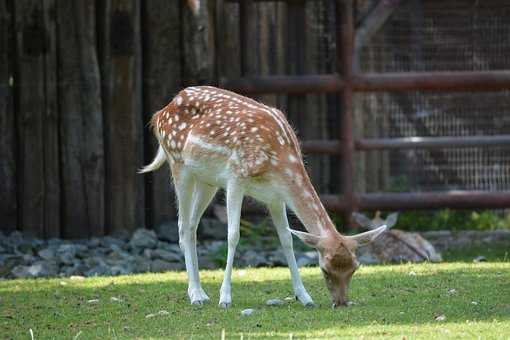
(350, 81)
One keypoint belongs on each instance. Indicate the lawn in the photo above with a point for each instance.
(460, 299)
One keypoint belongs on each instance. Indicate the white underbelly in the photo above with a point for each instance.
(212, 164)
(218, 174)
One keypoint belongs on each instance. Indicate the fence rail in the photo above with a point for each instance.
(408, 81)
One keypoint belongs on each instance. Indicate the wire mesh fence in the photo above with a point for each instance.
(437, 36)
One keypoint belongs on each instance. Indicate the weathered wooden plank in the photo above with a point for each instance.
(8, 196)
(51, 127)
(120, 53)
(31, 46)
(161, 80)
(198, 44)
(228, 62)
(81, 124)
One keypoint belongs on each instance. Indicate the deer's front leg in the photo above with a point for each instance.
(279, 217)
(234, 203)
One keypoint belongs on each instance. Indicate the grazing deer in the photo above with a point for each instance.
(213, 138)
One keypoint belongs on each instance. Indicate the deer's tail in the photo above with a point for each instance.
(157, 162)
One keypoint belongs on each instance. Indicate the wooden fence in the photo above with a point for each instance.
(80, 79)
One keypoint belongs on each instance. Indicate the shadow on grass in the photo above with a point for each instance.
(384, 296)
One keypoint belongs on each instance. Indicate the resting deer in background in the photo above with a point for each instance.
(213, 138)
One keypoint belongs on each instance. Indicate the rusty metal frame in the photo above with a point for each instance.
(349, 82)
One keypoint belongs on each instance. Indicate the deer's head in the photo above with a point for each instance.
(337, 258)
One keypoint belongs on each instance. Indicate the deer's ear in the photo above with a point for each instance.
(368, 236)
(307, 238)
(362, 220)
(391, 220)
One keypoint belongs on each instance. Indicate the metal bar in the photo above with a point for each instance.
(431, 142)
(405, 81)
(328, 147)
(424, 200)
(432, 200)
(426, 81)
(284, 84)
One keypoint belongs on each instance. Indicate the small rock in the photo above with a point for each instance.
(122, 269)
(441, 317)
(480, 259)
(366, 256)
(159, 266)
(144, 238)
(254, 258)
(290, 298)
(160, 313)
(147, 253)
(93, 301)
(166, 255)
(47, 254)
(167, 231)
(115, 299)
(122, 235)
(26, 247)
(213, 229)
(207, 262)
(77, 278)
(247, 312)
(39, 269)
(474, 303)
(109, 241)
(94, 242)
(274, 302)
(411, 273)
(309, 258)
(277, 258)
(98, 270)
(15, 239)
(452, 291)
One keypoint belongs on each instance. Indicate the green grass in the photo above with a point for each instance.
(390, 303)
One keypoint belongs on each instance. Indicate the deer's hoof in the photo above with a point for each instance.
(224, 305)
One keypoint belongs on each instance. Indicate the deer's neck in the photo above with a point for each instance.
(305, 203)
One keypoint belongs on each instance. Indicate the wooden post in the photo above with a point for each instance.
(52, 184)
(8, 196)
(120, 51)
(36, 119)
(81, 122)
(198, 44)
(161, 22)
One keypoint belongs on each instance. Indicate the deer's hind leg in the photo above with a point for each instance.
(193, 197)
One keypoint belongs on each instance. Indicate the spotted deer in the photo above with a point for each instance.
(213, 138)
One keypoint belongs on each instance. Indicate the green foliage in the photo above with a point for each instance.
(447, 219)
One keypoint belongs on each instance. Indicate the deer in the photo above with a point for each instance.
(214, 138)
